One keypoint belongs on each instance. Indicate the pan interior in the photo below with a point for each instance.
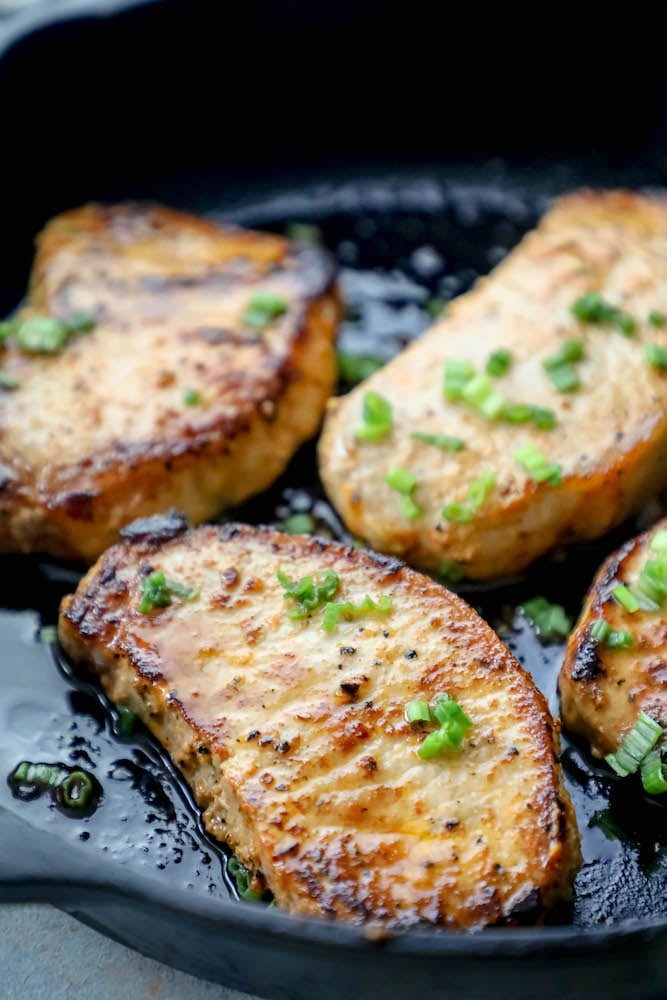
(405, 245)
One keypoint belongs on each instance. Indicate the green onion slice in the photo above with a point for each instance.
(625, 598)
(564, 378)
(191, 397)
(242, 879)
(635, 745)
(653, 773)
(404, 482)
(299, 524)
(499, 362)
(418, 711)
(656, 355)
(537, 466)
(591, 308)
(377, 418)
(444, 441)
(76, 789)
(7, 381)
(657, 318)
(659, 541)
(309, 593)
(157, 591)
(354, 368)
(458, 372)
(572, 350)
(350, 612)
(550, 620)
(262, 309)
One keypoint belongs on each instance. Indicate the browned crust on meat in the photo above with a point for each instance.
(603, 690)
(308, 770)
(199, 459)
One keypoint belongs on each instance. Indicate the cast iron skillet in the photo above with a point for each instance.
(266, 114)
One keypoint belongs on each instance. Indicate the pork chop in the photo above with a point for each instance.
(208, 363)
(569, 438)
(605, 683)
(287, 716)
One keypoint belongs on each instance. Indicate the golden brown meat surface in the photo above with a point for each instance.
(611, 435)
(102, 432)
(603, 690)
(294, 739)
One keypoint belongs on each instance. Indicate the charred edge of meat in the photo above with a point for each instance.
(587, 664)
(157, 528)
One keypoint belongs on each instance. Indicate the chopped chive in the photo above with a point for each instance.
(262, 309)
(7, 328)
(499, 362)
(625, 598)
(404, 482)
(309, 593)
(564, 378)
(48, 634)
(127, 720)
(480, 488)
(653, 773)
(458, 513)
(635, 746)
(600, 630)
(519, 413)
(7, 382)
(242, 880)
(542, 418)
(656, 355)
(450, 572)
(458, 372)
(444, 441)
(657, 318)
(333, 612)
(354, 368)
(299, 524)
(571, 350)
(454, 724)
(304, 233)
(537, 466)
(621, 639)
(377, 418)
(435, 307)
(418, 711)
(479, 392)
(659, 541)
(550, 620)
(75, 790)
(591, 308)
(191, 397)
(42, 335)
(157, 591)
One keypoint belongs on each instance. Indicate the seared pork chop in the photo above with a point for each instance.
(605, 684)
(552, 477)
(209, 361)
(288, 719)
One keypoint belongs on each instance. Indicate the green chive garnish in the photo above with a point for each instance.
(478, 492)
(418, 711)
(444, 441)
(479, 392)
(625, 598)
(42, 335)
(7, 328)
(564, 378)
(656, 355)
(435, 307)
(405, 483)
(571, 350)
(299, 524)
(157, 591)
(350, 612)
(242, 879)
(127, 720)
(659, 541)
(657, 318)
(7, 382)
(191, 397)
(304, 233)
(635, 746)
(453, 725)
(76, 789)
(354, 368)
(309, 593)
(262, 309)
(450, 572)
(377, 418)
(537, 466)
(591, 308)
(458, 513)
(80, 322)
(602, 632)
(550, 620)
(499, 362)
(458, 372)
(48, 634)
(653, 773)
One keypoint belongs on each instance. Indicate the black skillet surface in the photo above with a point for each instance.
(139, 866)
